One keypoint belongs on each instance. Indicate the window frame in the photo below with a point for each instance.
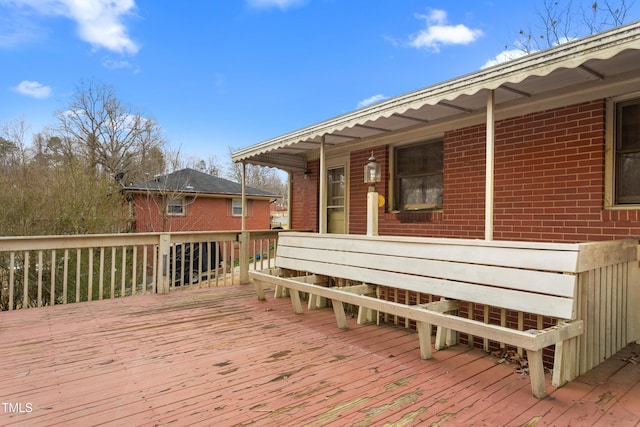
(234, 207)
(611, 200)
(396, 176)
(171, 203)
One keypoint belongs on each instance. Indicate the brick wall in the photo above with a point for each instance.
(549, 183)
(201, 214)
(303, 213)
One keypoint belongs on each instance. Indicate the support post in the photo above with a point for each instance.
(490, 147)
(322, 215)
(372, 212)
(244, 235)
(164, 259)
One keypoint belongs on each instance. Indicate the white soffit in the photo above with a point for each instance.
(591, 59)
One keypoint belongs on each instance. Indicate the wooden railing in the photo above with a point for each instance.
(47, 270)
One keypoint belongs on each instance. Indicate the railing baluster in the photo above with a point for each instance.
(12, 274)
(123, 281)
(144, 269)
(65, 277)
(134, 285)
(40, 268)
(90, 276)
(78, 273)
(101, 275)
(54, 268)
(25, 288)
(233, 261)
(218, 264)
(156, 275)
(113, 272)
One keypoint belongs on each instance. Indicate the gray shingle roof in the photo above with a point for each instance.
(192, 181)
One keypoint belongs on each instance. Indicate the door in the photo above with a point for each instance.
(336, 201)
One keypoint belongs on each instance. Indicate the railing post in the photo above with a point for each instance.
(164, 249)
(244, 257)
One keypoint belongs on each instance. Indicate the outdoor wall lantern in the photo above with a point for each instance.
(372, 173)
(371, 176)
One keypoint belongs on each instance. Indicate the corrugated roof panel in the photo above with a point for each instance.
(534, 74)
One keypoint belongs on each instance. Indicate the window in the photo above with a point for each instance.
(418, 180)
(627, 153)
(236, 207)
(175, 206)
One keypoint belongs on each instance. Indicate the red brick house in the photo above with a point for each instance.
(189, 200)
(545, 148)
(542, 148)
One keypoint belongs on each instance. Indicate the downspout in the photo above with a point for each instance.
(244, 234)
(490, 148)
(322, 215)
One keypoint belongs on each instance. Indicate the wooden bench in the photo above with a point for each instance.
(534, 278)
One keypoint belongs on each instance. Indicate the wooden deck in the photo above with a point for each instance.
(220, 357)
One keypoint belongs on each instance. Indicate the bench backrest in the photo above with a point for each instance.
(522, 276)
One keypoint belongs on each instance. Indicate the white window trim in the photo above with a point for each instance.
(182, 206)
(610, 153)
(233, 207)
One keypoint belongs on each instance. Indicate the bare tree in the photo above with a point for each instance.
(101, 131)
(42, 194)
(260, 177)
(562, 21)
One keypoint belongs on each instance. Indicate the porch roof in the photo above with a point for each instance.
(596, 59)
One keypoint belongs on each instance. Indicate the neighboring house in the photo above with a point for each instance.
(189, 200)
(556, 132)
(279, 216)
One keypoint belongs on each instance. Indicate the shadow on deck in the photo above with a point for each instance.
(220, 357)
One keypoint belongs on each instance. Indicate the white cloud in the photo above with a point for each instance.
(438, 32)
(282, 4)
(33, 89)
(371, 100)
(505, 56)
(99, 21)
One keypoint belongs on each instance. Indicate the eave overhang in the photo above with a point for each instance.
(591, 60)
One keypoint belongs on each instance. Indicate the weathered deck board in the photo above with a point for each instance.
(218, 356)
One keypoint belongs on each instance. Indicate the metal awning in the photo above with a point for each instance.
(598, 58)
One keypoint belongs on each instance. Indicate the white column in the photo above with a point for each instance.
(244, 196)
(488, 213)
(322, 215)
(244, 234)
(372, 213)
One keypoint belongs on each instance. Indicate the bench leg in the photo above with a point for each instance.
(564, 367)
(259, 289)
(445, 338)
(338, 310)
(279, 292)
(366, 315)
(295, 300)
(316, 301)
(536, 373)
(424, 335)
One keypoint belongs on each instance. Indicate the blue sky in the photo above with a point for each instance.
(231, 73)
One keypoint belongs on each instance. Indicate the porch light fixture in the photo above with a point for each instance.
(371, 176)
(372, 173)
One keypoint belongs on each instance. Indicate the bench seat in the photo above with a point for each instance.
(537, 279)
